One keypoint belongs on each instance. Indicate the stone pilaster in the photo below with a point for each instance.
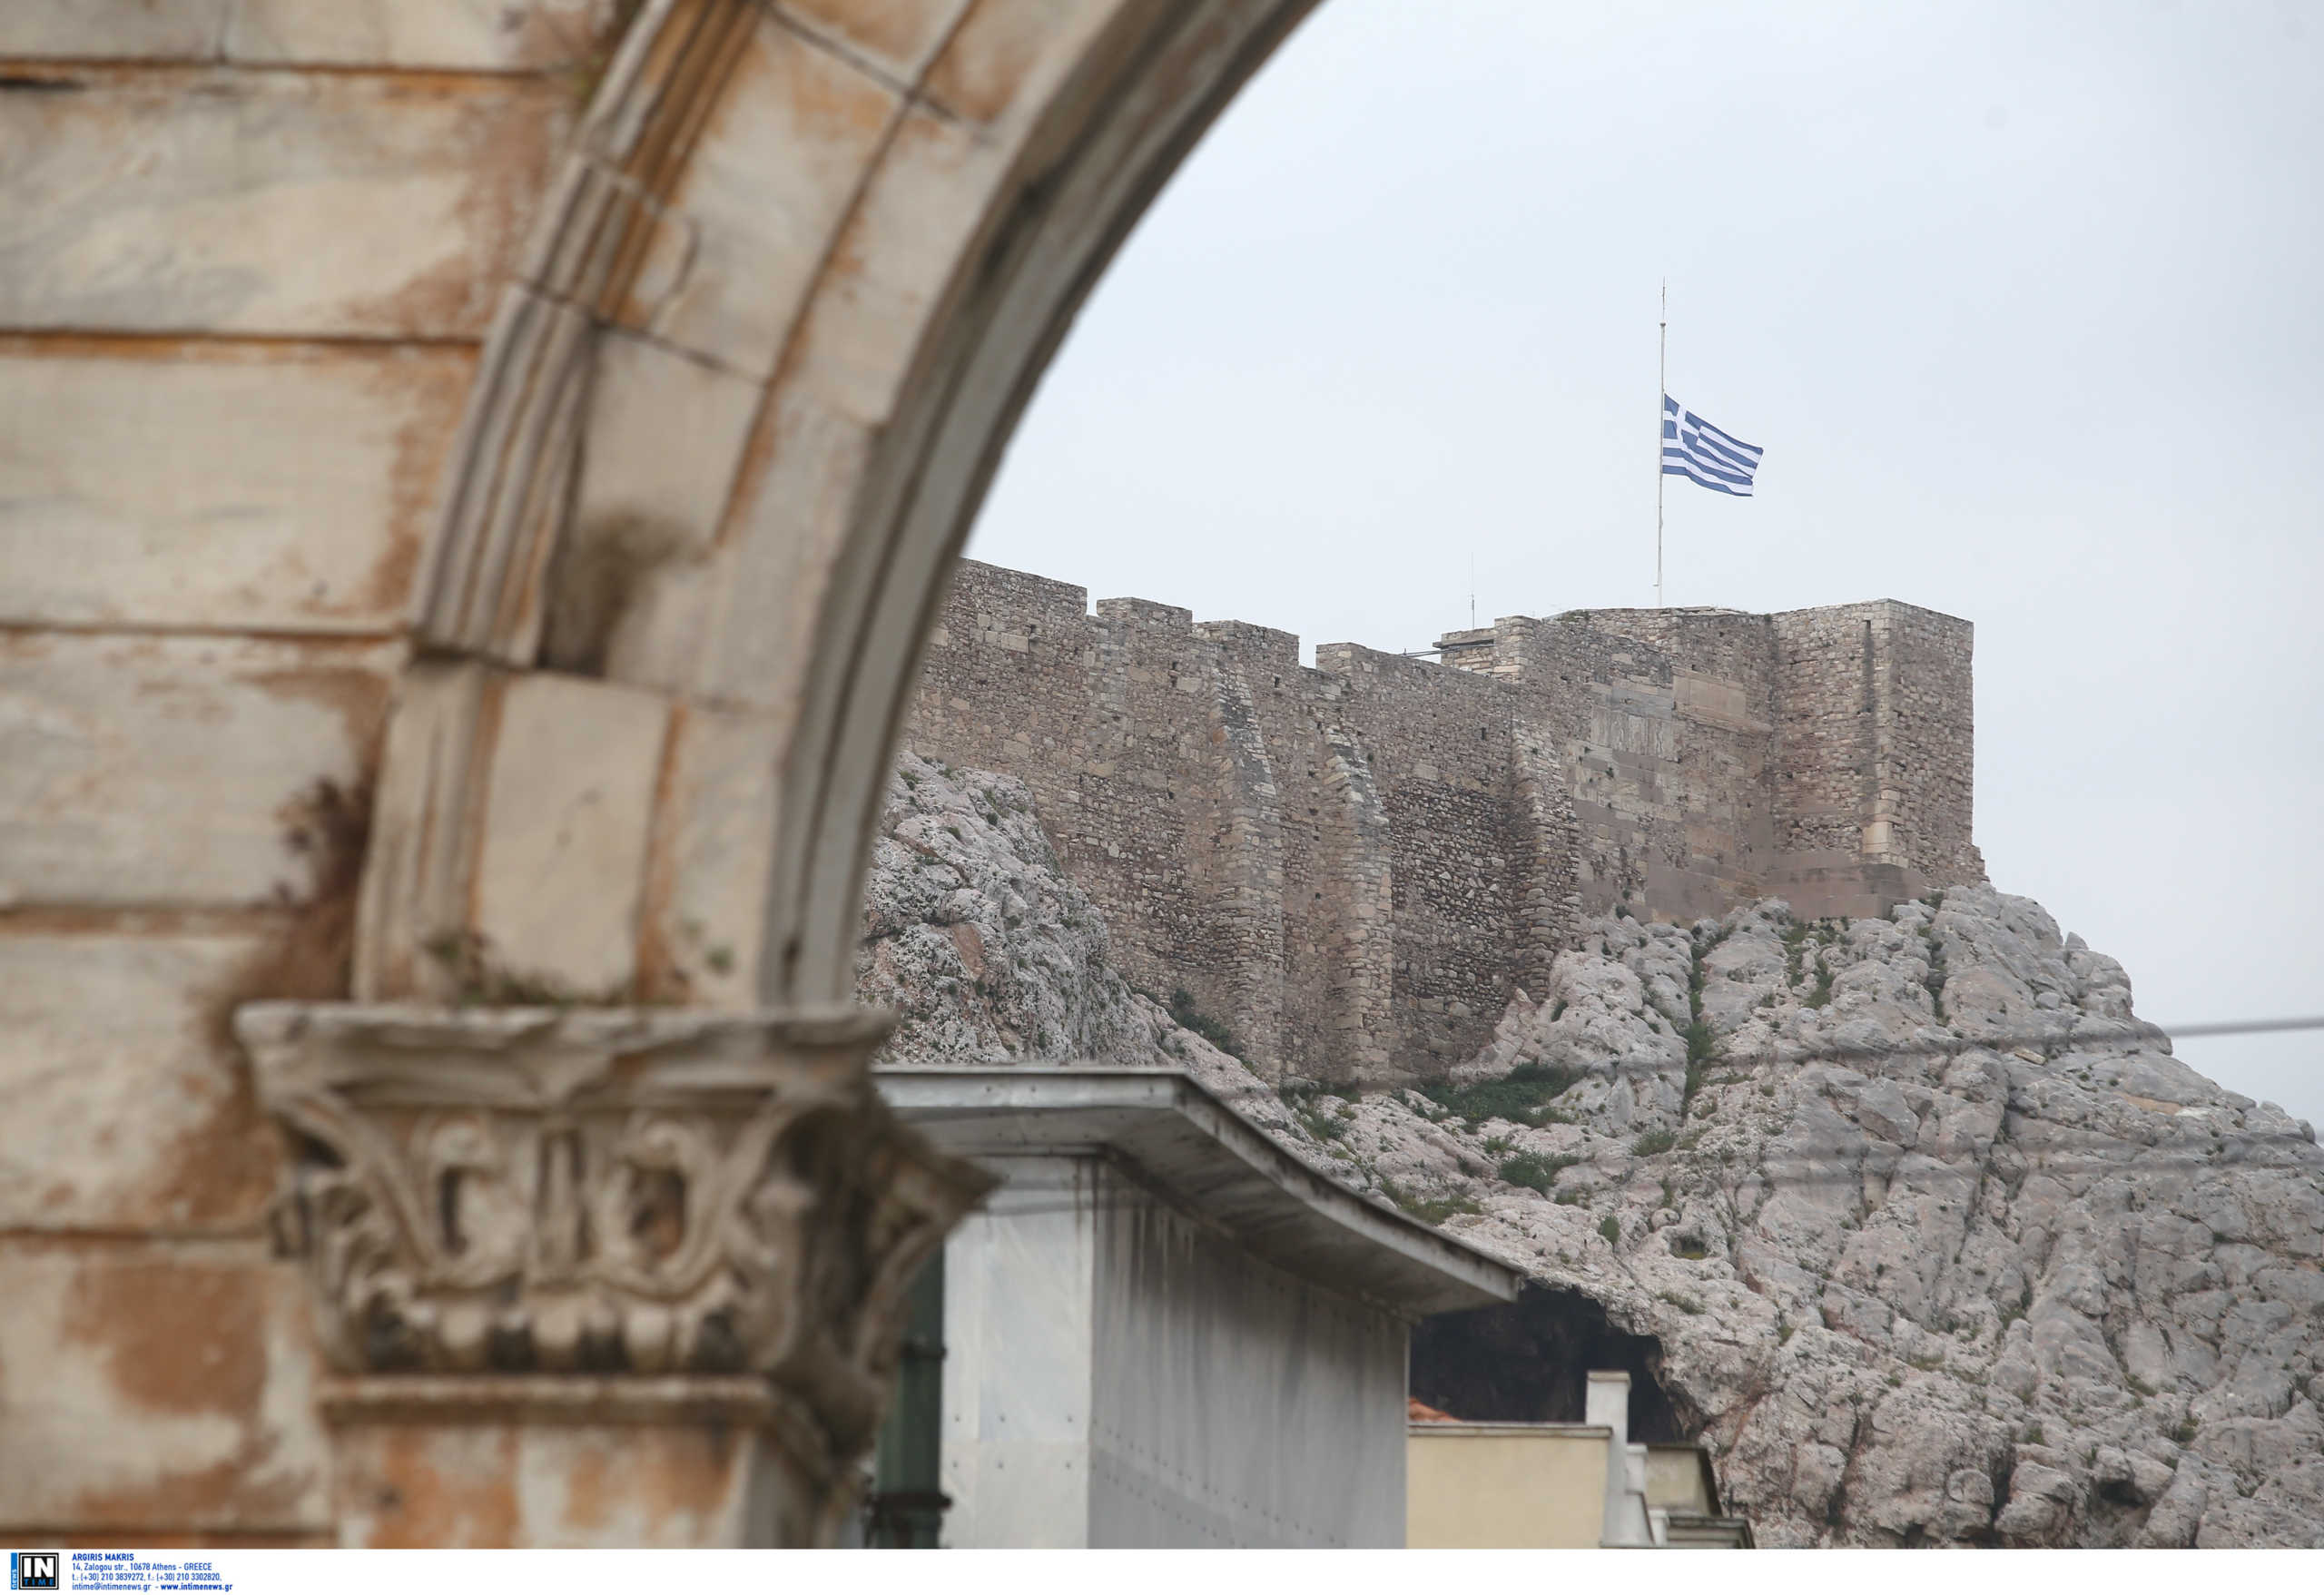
(597, 1277)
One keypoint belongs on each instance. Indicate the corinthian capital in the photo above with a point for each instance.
(613, 1193)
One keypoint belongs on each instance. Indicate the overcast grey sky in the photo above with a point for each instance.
(2022, 302)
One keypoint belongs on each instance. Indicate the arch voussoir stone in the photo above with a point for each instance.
(936, 234)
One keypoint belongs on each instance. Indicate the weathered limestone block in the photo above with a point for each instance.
(443, 35)
(527, 1227)
(269, 202)
(568, 811)
(496, 36)
(759, 622)
(112, 1042)
(129, 30)
(168, 769)
(921, 207)
(899, 36)
(627, 591)
(1004, 61)
(736, 247)
(706, 909)
(841, 382)
(511, 837)
(220, 485)
(674, 1462)
(164, 1393)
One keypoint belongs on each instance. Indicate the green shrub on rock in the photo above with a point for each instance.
(1521, 1096)
(1535, 1172)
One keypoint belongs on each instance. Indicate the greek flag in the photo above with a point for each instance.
(1694, 449)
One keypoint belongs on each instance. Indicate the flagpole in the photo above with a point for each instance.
(1662, 373)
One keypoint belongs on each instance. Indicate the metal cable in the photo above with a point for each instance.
(2243, 1143)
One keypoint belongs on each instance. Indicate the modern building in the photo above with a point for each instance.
(1162, 1330)
(1525, 1486)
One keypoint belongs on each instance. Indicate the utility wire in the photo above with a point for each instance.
(2130, 1037)
(2063, 1162)
(1800, 1170)
(2249, 1026)
(2248, 1147)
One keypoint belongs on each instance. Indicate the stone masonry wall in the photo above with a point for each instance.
(1439, 747)
(252, 252)
(1353, 867)
(1874, 754)
(1925, 694)
(1344, 866)
(1660, 719)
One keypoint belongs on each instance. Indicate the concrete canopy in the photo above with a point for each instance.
(1192, 1149)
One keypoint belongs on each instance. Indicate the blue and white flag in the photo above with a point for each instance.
(1694, 449)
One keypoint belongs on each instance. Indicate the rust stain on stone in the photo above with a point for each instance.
(174, 1339)
(419, 1492)
(841, 102)
(507, 131)
(661, 1476)
(167, 349)
(692, 1470)
(186, 699)
(568, 36)
(235, 1488)
(755, 461)
(432, 387)
(661, 977)
(222, 1168)
(144, 1536)
(191, 1341)
(454, 297)
(887, 29)
(594, 1482)
(985, 66)
(357, 696)
(491, 704)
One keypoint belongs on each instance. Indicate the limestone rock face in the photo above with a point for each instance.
(1940, 1244)
(973, 934)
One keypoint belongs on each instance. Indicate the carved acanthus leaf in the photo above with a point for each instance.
(605, 1191)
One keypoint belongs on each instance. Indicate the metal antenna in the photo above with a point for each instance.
(1663, 369)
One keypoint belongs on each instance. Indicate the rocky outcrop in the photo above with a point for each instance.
(1939, 1242)
(990, 955)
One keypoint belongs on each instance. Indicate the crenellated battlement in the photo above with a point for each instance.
(1353, 866)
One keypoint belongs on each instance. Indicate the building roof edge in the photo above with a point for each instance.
(1203, 1155)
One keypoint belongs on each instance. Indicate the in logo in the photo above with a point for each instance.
(33, 1569)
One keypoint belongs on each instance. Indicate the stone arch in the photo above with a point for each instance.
(572, 410)
(799, 275)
